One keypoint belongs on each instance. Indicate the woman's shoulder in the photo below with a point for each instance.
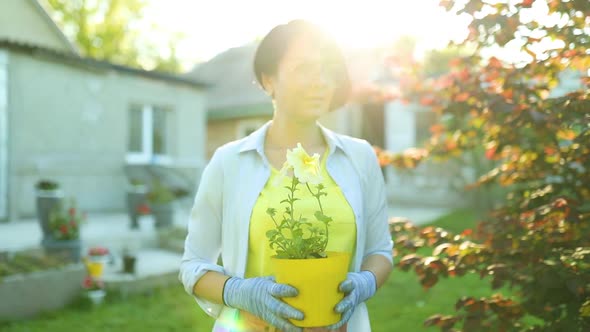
(229, 151)
(359, 151)
(228, 148)
(354, 145)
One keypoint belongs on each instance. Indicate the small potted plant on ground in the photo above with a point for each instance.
(136, 201)
(96, 260)
(64, 227)
(129, 261)
(94, 289)
(300, 243)
(48, 196)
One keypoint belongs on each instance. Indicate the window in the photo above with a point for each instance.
(150, 131)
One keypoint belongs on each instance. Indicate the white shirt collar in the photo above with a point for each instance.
(255, 141)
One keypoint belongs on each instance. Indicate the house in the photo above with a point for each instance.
(86, 123)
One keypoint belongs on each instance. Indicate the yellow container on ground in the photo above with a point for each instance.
(95, 268)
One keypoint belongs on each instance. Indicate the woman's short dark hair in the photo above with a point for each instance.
(273, 46)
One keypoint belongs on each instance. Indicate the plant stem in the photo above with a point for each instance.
(317, 196)
(280, 233)
(292, 199)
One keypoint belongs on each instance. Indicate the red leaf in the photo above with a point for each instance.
(508, 94)
(428, 281)
(463, 74)
(463, 96)
(491, 152)
(427, 100)
(494, 62)
(437, 129)
(549, 150)
(455, 62)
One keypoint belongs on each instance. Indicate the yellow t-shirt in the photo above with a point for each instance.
(342, 229)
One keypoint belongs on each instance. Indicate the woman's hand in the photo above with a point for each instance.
(358, 287)
(261, 297)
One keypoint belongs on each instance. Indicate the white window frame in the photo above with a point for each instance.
(3, 134)
(147, 156)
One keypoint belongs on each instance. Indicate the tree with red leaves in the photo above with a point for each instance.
(510, 113)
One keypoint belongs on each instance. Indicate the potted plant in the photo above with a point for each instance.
(96, 259)
(136, 201)
(129, 261)
(94, 289)
(64, 232)
(48, 196)
(162, 199)
(300, 243)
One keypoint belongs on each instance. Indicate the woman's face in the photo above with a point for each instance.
(304, 83)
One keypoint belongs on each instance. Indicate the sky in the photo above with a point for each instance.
(214, 26)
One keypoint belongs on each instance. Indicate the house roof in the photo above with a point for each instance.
(54, 26)
(76, 60)
(234, 91)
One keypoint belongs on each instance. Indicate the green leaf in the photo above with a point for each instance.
(322, 217)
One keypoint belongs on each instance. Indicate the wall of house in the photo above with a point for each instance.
(70, 124)
(21, 21)
(3, 134)
(431, 183)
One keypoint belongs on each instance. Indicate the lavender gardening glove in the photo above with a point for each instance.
(260, 296)
(358, 287)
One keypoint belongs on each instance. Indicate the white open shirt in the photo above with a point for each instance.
(232, 181)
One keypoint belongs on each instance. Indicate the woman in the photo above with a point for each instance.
(303, 71)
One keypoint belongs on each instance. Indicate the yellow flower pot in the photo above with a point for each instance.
(317, 281)
(95, 268)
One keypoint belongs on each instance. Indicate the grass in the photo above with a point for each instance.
(400, 305)
(457, 220)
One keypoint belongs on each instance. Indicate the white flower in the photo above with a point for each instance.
(306, 168)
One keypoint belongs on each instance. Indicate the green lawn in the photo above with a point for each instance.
(400, 305)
